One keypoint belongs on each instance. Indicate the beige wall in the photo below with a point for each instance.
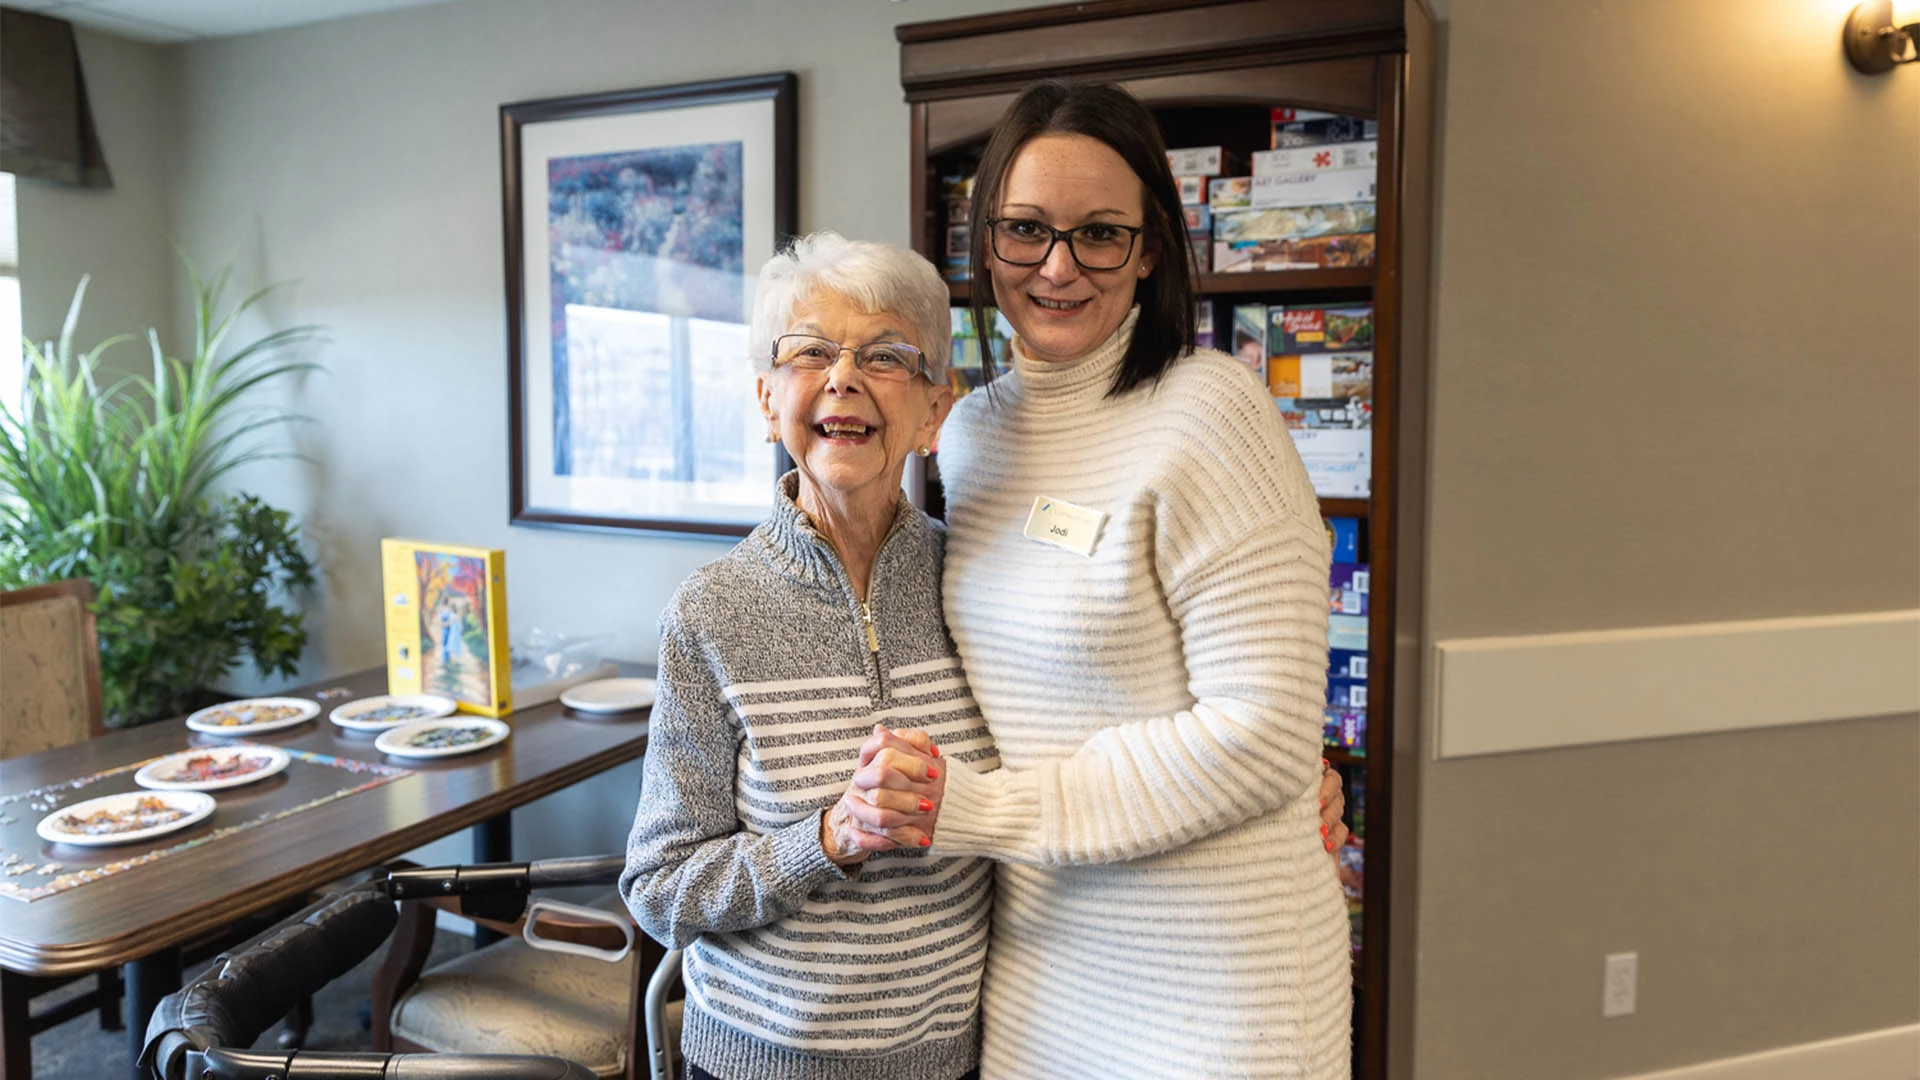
(359, 159)
(119, 236)
(1677, 379)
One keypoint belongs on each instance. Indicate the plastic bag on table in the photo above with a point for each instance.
(546, 662)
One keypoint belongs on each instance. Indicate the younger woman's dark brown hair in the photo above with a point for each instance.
(1109, 114)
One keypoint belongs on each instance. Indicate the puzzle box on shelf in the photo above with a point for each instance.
(1353, 155)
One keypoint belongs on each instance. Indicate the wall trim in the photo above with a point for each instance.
(1500, 694)
(1889, 1054)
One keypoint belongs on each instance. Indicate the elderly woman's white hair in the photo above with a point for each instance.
(873, 277)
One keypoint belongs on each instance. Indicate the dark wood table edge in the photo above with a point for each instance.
(111, 952)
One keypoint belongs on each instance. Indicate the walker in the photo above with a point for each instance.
(203, 1030)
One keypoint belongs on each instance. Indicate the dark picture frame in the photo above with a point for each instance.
(635, 222)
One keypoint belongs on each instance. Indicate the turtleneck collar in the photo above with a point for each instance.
(799, 550)
(1051, 381)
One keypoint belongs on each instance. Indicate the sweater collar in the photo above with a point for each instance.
(801, 552)
(1086, 376)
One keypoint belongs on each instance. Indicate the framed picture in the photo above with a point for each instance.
(446, 616)
(636, 222)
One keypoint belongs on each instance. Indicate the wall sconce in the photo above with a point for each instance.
(1874, 44)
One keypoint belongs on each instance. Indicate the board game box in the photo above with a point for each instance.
(1293, 222)
(1315, 329)
(1311, 253)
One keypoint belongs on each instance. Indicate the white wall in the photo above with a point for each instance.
(119, 235)
(361, 158)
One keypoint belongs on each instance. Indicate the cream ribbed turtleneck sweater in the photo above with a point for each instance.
(1164, 906)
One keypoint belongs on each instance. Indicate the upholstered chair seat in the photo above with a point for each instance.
(512, 998)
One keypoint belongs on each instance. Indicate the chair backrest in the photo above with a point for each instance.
(49, 668)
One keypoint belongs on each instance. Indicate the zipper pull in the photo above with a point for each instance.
(873, 638)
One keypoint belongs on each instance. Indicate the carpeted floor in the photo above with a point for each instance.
(79, 1050)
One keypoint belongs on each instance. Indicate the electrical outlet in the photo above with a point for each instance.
(1622, 977)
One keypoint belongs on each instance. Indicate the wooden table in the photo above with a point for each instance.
(139, 917)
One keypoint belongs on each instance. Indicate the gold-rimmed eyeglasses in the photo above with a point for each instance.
(878, 359)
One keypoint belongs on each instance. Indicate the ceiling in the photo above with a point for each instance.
(167, 21)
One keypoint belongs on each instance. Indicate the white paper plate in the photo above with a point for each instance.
(281, 712)
(399, 741)
(609, 695)
(192, 807)
(354, 714)
(162, 775)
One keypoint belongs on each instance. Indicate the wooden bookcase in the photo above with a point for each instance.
(1211, 70)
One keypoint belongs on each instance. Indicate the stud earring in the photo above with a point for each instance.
(926, 451)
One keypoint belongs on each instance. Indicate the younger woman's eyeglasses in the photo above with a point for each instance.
(1097, 245)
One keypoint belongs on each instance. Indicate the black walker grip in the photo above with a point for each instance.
(249, 988)
(578, 870)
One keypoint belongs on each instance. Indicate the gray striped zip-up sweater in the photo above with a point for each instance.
(769, 683)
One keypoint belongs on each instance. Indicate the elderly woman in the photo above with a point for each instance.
(1136, 578)
(808, 956)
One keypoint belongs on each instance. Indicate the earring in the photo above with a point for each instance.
(926, 451)
(773, 434)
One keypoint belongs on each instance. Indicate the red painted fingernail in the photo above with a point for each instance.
(936, 751)
(1329, 845)
(926, 805)
(1323, 831)
(933, 773)
(1323, 804)
(927, 841)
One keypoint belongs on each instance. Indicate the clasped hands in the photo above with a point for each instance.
(893, 799)
(891, 802)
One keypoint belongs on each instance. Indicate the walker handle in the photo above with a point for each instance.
(619, 920)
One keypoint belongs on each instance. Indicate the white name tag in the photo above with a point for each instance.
(1064, 525)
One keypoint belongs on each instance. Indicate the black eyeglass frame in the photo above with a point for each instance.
(1133, 237)
(924, 370)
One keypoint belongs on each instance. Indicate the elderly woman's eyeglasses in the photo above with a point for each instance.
(879, 359)
(1097, 245)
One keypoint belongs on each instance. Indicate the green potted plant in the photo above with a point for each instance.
(116, 483)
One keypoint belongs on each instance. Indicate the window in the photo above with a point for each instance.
(12, 359)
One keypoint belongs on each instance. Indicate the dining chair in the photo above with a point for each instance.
(509, 997)
(50, 667)
(50, 672)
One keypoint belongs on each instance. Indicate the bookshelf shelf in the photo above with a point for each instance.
(1343, 757)
(1212, 70)
(1353, 508)
(1356, 282)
